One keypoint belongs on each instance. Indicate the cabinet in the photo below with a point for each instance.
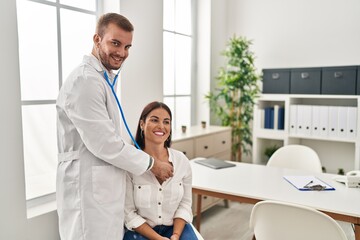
(212, 141)
(305, 116)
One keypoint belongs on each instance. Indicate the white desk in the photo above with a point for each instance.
(251, 183)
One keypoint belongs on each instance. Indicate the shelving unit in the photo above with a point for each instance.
(334, 151)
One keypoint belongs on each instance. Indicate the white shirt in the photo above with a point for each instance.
(158, 204)
(93, 158)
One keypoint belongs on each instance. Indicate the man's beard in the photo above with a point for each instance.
(105, 60)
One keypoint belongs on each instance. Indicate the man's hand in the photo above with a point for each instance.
(162, 170)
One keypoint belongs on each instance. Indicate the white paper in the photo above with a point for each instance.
(304, 182)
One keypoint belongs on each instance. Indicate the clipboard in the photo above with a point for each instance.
(306, 183)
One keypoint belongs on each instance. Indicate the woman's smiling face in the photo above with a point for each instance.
(157, 126)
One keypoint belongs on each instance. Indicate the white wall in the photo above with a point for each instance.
(12, 205)
(289, 33)
(297, 33)
(203, 62)
(219, 37)
(141, 81)
(307, 35)
(14, 224)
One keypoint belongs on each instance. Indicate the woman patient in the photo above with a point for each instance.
(155, 209)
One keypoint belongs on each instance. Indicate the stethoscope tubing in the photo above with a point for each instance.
(119, 105)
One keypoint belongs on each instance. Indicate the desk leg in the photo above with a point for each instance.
(357, 231)
(198, 212)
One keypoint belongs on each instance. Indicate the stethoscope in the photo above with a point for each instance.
(111, 85)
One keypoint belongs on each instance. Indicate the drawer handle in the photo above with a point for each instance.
(223, 142)
(305, 75)
(338, 74)
(275, 76)
(206, 147)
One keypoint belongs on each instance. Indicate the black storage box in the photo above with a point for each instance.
(339, 80)
(276, 81)
(305, 81)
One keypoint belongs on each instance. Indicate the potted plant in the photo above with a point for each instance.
(270, 150)
(234, 97)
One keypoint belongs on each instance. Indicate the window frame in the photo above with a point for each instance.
(193, 91)
(46, 202)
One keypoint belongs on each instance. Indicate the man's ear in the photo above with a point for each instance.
(96, 39)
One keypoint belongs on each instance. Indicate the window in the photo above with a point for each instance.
(177, 68)
(53, 37)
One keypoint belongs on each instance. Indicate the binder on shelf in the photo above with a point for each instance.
(324, 119)
(303, 120)
(315, 124)
(281, 118)
(276, 116)
(269, 117)
(342, 122)
(351, 122)
(333, 121)
(293, 119)
(300, 120)
(307, 119)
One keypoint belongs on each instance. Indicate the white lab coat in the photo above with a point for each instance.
(93, 158)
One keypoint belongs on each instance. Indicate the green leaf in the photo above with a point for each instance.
(237, 87)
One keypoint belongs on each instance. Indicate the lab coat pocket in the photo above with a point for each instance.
(177, 192)
(108, 184)
(142, 195)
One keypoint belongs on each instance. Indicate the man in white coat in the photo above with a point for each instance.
(93, 157)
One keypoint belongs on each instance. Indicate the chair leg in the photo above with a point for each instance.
(226, 203)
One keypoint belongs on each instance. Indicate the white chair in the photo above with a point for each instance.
(296, 157)
(272, 220)
(198, 235)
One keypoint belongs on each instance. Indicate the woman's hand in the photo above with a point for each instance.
(175, 237)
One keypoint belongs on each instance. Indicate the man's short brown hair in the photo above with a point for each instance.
(120, 21)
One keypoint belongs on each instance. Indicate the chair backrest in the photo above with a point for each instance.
(296, 157)
(272, 220)
(198, 235)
